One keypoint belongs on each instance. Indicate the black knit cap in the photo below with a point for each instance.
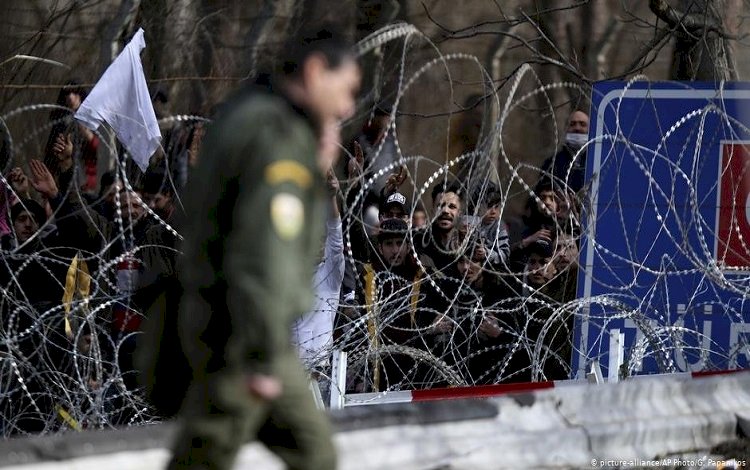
(30, 206)
(392, 228)
(542, 248)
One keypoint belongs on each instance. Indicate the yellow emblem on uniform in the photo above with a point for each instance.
(287, 215)
(288, 171)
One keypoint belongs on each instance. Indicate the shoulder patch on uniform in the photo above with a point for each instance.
(288, 170)
(287, 215)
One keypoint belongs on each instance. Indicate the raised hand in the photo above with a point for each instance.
(543, 234)
(19, 182)
(442, 325)
(329, 144)
(63, 147)
(332, 182)
(359, 155)
(480, 251)
(356, 164)
(395, 180)
(42, 179)
(490, 327)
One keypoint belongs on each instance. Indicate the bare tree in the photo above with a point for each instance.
(121, 24)
(703, 42)
(272, 22)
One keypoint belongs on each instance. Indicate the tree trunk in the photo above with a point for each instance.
(270, 26)
(116, 29)
(702, 52)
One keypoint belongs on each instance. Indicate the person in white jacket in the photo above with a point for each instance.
(313, 332)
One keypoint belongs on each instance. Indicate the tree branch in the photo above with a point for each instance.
(119, 25)
(475, 29)
(565, 62)
(691, 23)
(635, 64)
(603, 45)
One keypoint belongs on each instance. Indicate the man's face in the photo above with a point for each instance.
(491, 215)
(539, 270)
(131, 206)
(331, 92)
(419, 219)
(394, 211)
(471, 269)
(447, 207)
(330, 96)
(25, 226)
(73, 101)
(109, 195)
(578, 123)
(566, 252)
(84, 344)
(161, 204)
(549, 199)
(394, 251)
(148, 198)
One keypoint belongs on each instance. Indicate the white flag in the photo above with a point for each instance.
(121, 99)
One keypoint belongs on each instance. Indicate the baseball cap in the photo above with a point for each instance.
(394, 198)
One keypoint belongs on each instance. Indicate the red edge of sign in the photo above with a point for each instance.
(481, 391)
(709, 373)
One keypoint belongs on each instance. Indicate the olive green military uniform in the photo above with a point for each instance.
(256, 205)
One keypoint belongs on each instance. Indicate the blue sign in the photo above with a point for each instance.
(665, 254)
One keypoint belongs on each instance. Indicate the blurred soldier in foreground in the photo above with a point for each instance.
(257, 206)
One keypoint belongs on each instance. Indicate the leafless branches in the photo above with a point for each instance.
(691, 23)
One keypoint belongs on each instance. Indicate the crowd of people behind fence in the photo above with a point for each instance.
(447, 296)
(437, 292)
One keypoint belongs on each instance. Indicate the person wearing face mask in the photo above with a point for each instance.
(567, 167)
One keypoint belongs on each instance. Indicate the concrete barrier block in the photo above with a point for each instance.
(566, 427)
(627, 440)
(644, 399)
(483, 444)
